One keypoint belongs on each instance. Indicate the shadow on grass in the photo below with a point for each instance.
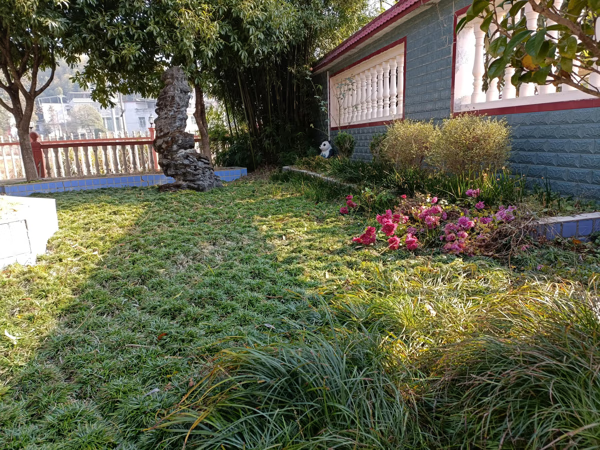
(139, 290)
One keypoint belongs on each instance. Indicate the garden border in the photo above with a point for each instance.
(580, 226)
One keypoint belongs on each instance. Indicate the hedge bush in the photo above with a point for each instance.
(470, 143)
(407, 143)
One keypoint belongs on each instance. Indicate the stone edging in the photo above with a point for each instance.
(580, 226)
(316, 175)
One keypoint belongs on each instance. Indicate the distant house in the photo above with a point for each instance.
(409, 63)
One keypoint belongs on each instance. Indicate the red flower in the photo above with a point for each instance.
(389, 228)
(394, 242)
(350, 203)
(368, 237)
(343, 210)
(403, 196)
(349, 197)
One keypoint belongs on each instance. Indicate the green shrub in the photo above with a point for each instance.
(408, 143)
(469, 143)
(376, 144)
(345, 143)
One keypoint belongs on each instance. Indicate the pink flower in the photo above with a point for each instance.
(349, 197)
(343, 210)
(485, 220)
(403, 196)
(394, 242)
(389, 228)
(462, 234)
(450, 237)
(432, 221)
(382, 218)
(464, 222)
(473, 193)
(368, 237)
(351, 204)
(434, 200)
(480, 205)
(411, 230)
(412, 243)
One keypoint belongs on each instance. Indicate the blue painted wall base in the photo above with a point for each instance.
(117, 181)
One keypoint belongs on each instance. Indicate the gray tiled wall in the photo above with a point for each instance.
(560, 146)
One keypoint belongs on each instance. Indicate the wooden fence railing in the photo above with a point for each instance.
(81, 158)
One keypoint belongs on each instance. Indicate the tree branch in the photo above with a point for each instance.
(589, 43)
(5, 106)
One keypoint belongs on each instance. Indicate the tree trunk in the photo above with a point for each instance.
(200, 116)
(26, 152)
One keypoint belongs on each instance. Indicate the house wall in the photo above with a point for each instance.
(560, 146)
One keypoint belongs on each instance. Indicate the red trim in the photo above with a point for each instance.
(392, 15)
(542, 107)
(381, 50)
(456, 14)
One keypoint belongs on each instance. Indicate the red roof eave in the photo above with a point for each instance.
(380, 22)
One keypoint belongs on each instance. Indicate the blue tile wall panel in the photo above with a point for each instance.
(107, 182)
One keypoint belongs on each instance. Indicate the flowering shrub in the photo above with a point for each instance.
(427, 222)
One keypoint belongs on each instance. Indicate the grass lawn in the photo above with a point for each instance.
(141, 290)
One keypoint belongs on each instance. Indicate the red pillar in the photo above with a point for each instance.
(154, 155)
(38, 154)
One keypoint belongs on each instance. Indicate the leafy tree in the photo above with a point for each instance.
(254, 56)
(29, 43)
(85, 117)
(562, 49)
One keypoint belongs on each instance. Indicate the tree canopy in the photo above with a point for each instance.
(252, 55)
(562, 47)
(30, 42)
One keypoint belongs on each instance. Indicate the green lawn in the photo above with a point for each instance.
(140, 290)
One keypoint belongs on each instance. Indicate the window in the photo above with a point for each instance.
(142, 122)
(371, 90)
(469, 67)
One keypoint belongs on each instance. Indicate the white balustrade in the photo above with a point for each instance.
(369, 94)
(478, 95)
(400, 63)
(371, 91)
(595, 77)
(393, 86)
(386, 89)
(469, 71)
(528, 89)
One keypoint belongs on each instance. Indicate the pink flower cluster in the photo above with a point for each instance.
(367, 238)
(505, 214)
(455, 235)
(431, 216)
(412, 243)
(349, 203)
(466, 229)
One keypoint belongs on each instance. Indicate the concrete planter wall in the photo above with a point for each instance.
(26, 224)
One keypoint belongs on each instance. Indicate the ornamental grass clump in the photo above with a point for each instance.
(407, 144)
(470, 143)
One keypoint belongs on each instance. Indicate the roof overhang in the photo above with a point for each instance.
(398, 14)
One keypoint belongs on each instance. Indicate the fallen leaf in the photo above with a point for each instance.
(160, 336)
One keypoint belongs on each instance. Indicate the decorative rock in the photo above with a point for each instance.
(176, 150)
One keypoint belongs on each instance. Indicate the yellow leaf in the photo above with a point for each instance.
(528, 63)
